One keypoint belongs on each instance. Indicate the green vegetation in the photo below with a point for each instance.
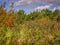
(37, 28)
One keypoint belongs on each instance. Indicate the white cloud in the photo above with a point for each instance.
(47, 1)
(56, 8)
(28, 2)
(23, 2)
(43, 7)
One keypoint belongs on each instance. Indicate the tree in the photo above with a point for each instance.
(46, 12)
(56, 14)
(33, 15)
(2, 13)
(20, 16)
(10, 17)
(11, 8)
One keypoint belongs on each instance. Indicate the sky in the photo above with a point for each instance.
(31, 5)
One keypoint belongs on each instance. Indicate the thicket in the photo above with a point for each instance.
(37, 28)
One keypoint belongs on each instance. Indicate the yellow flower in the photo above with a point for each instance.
(8, 34)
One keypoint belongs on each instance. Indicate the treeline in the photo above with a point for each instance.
(20, 15)
(36, 28)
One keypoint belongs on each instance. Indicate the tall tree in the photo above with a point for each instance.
(20, 16)
(56, 15)
(46, 12)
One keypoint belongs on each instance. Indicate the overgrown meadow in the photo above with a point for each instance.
(36, 28)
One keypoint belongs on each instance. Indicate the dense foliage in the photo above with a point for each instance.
(37, 28)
